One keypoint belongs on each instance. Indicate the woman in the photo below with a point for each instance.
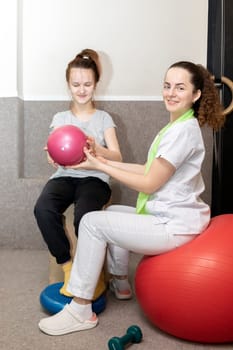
(87, 189)
(169, 209)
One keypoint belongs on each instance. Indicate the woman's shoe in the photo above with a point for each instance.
(120, 294)
(66, 321)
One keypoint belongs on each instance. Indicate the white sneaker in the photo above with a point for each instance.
(66, 321)
(120, 294)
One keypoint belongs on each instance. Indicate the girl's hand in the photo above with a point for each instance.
(91, 145)
(50, 160)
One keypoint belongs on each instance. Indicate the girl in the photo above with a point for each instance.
(87, 189)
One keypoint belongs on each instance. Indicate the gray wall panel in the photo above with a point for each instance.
(24, 171)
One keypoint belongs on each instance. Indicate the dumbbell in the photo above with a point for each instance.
(133, 335)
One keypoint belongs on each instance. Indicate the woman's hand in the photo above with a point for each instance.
(90, 162)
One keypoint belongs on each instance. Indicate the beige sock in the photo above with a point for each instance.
(66, 269)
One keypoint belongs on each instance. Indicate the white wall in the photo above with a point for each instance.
(137, 40)
(8, 46)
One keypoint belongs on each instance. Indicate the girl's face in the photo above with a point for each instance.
(82, 85)
(178, 92)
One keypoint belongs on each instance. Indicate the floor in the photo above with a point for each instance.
(24, 274)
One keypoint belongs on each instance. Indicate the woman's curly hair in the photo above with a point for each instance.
(208, 108)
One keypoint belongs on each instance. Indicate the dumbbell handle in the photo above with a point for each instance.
(117, 343)
(125, 339)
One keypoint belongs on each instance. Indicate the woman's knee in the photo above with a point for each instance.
(86, 220)
(121, 208)
(90, 222)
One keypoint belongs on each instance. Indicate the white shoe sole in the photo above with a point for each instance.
(65, 322)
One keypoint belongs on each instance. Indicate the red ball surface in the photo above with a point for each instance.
(188, 292)
(65, 145)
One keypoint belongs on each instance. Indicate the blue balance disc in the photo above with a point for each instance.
(53, 301)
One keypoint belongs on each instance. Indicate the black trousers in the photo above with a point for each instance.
(87, 194)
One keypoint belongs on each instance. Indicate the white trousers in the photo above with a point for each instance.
(116, 230)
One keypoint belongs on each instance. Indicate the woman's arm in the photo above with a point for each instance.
(129, 167)
(160, 172)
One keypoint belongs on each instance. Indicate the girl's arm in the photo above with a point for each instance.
(112, 151)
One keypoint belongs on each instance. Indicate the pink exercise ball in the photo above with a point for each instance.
(188, 292)
(65, 145)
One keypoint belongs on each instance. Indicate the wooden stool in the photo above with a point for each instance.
(55, 270)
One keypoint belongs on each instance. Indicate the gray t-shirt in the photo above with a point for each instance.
(95, 127)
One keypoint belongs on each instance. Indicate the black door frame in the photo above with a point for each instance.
(220, 63)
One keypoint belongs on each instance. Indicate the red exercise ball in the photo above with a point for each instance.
(188, 292)
(65, 145)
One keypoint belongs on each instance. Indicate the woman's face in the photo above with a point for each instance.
(178, 91)
(82, 85)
